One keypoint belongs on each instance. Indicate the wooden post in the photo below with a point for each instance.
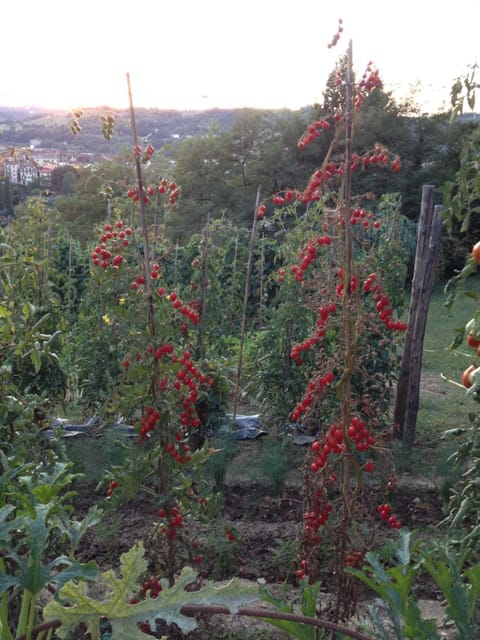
(426, 257)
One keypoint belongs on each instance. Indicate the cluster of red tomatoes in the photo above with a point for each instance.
(472, 330)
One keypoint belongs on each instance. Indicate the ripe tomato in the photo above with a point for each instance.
(476, 253)
(473, 341)
(467, 383)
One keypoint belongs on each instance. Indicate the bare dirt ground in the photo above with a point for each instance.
(264, 525)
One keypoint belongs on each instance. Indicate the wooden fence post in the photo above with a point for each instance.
(426, 258)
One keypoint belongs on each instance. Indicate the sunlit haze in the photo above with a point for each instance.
(201, 54)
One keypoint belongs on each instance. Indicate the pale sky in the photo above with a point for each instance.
(199, 54)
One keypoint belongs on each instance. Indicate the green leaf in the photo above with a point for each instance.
(5, 312)
(75, 529)
(281, 604)
(6, 526)
(308, 608)
(463, 509)
(402, 550)
(309, 598)
(6, 582)
(379, 625)
(473, 574)
(294, 629)
(124, 617)
(74, 570)
(36, 359)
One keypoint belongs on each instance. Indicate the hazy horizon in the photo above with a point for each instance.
(199, 55)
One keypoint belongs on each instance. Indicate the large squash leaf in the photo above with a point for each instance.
(124, 617)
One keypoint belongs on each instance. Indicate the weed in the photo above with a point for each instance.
(223, 549)
(275, 461)
(93, 456)
(226, 448)
(283, 556)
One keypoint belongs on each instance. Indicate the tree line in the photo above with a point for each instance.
(220, 169)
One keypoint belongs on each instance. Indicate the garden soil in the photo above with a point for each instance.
(266, 527)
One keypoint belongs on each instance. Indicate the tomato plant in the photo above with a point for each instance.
(347, 352)
(145, 349)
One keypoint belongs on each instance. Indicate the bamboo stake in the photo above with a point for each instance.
(143, 216)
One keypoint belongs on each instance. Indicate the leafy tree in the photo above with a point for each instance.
(69, 273)
(32, 316)
(58, 175)
(200, 171)
(68, 183)
(6, 201)
(462, 206)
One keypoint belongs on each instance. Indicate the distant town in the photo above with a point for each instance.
(25, 166)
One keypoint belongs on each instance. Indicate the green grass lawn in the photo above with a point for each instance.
(443, 401)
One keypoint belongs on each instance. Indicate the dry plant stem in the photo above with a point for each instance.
(344, 212)
(203, 289)
(194, 610)
(143, 217)
(350, 307)
(41, 628)
(162, 468)
(212, 609)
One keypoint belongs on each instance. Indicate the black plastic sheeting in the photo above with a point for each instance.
(243, 427)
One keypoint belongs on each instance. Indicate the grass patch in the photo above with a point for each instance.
(93, 455)
(443, 401)
(274, 462)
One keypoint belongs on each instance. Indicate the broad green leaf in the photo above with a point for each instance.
(473, 574)
(6, 582)
(75, 529)
(45, 493)
(74, 570)
(5, 312)
(6, 526)
(124, 617)
(416, 627)
(36, 359)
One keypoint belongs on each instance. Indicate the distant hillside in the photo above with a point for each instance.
(23, 126)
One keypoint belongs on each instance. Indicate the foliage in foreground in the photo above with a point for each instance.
(35, 522)
(459, 585)
(128, 619)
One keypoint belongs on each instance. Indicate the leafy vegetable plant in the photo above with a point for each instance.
(33, 521)
(459, 585)
(128, 618)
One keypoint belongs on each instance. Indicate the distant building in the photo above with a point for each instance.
(24, 166)
(45, 173)
(27, 172)
(20, 171)
(11, 170)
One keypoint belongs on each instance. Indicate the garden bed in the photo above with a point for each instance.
(266, 527)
